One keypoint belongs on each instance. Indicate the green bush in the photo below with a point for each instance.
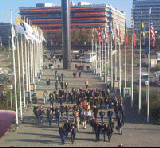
(154, 103)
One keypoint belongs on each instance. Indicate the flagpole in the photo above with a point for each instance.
(132, 72)
(115, 59)
(23, 71)
(140, 70)
(92, 48)
(96, 53)
(100, 59)
(19, 78)
(108, 57)
(111, 64)
(125, 62)
(102, 56)
(14, 68)
(105, 58)
(120, 67)
(149, 65)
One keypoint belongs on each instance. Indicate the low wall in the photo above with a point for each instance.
(6, 118)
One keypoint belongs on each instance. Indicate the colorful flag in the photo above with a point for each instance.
(134, 36)
(152, 29)
(19, 25)
(126, 34)
(143, 32)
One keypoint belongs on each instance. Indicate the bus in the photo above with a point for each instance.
(90, 57)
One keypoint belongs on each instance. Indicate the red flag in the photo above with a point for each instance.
(134, 38)
(126, 35)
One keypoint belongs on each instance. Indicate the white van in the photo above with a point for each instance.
(90, 57)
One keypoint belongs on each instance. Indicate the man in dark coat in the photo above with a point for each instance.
(109, 133)
(95, 111)
(102, 114)
(57, 114)
(73, 133)
(67, 126)
(109, 114)
(120, 124)
(62, 134)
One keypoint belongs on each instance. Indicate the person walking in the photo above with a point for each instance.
(62, 76)
(88, 114)
(103, 131)
(45, 96)
(57, 114)
(95, 111)
(80, 73)
(87, 84)
(51, 98)
(109, 114)
(66, 84)
(84, 120)
(67, 108)
(120, 124)
(92, 122)
(34, 111)
(112, 125)
(62, 110)
(102, 114)
(56, 85)
(73, 133)
(41, 116)
(76, 118)
(38, 114)
(108, 130)
(67, 126)
(62, 134)
(49, 117)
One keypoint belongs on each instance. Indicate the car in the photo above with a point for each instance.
(143, 64)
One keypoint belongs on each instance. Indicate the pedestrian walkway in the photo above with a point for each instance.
(28, 134)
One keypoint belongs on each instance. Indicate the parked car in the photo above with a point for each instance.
(143, 64)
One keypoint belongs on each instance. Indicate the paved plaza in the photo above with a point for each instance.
(136, 132)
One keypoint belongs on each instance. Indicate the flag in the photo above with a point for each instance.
(99, 34)
(143, 32)
(126, 34)
(111, 31)
(18, 20)
(152, 29)
(118, 33)
(93, 34)
(134, 36)
(13, 35)
(103, 36)
(19, 25)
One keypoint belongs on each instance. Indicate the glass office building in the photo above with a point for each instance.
(84, 16)
(143, 6)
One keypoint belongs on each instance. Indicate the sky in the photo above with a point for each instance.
(13, 5)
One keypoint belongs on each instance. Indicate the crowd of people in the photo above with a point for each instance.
(83, 107)
(71, 109)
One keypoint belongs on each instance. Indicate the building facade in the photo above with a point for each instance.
(5, 33)
(84, 16)
(143, 6)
